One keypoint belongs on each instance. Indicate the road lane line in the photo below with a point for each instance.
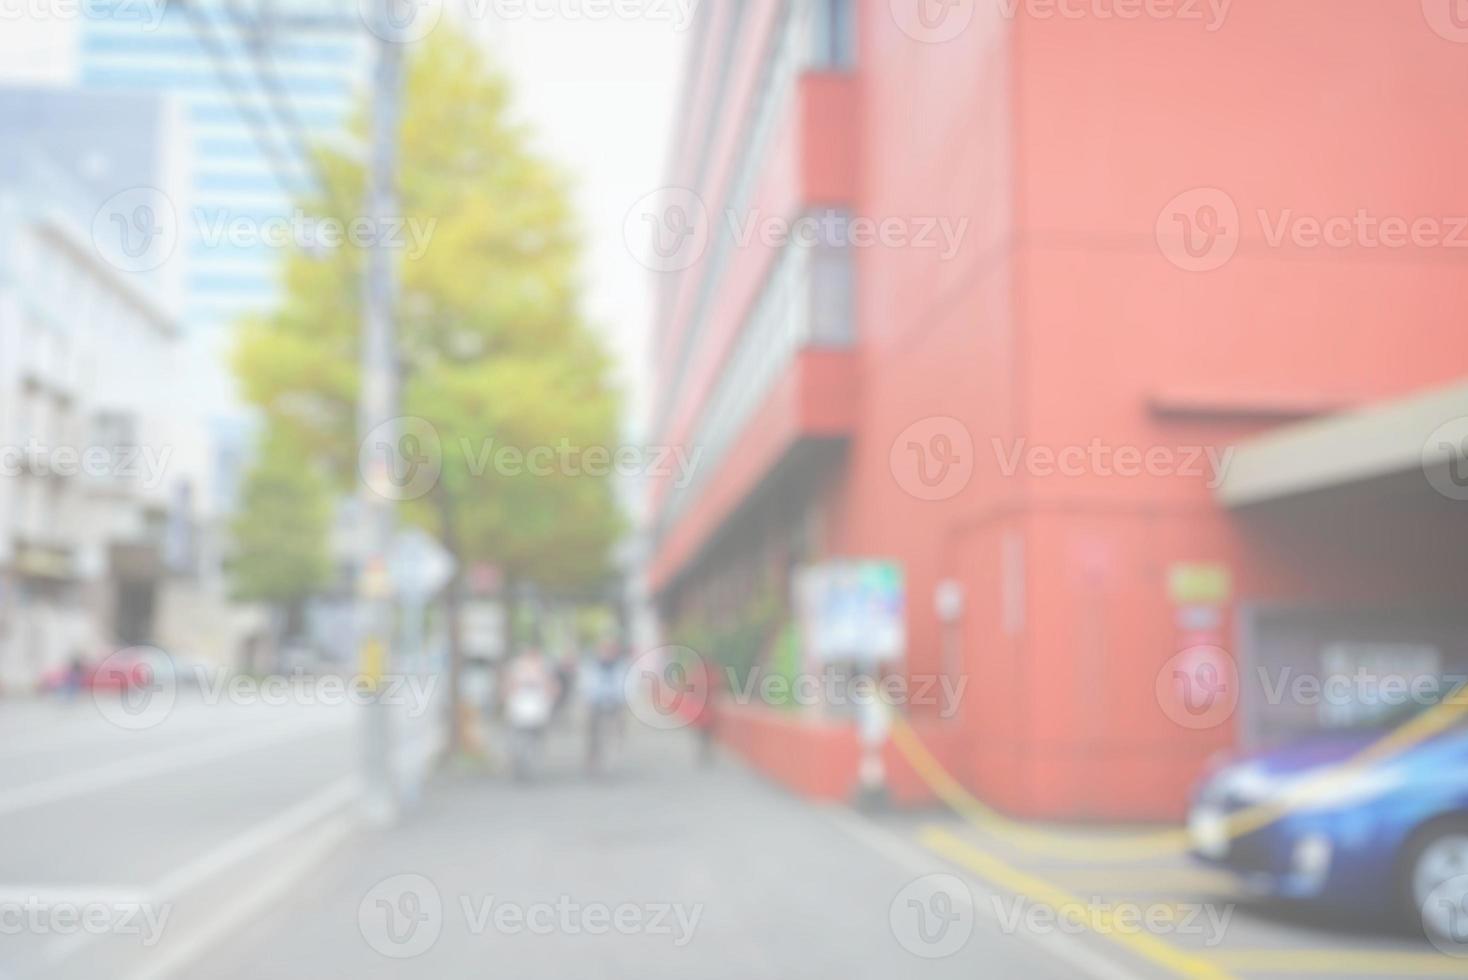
(1334, 962)
(70, 895)
(914, 861)
(91, 728)
(249, 904)
(1178, 962)
(89, 781)
(246, 845)
(231, 853)
(323, 806)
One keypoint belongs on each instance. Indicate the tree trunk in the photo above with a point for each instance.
(508, 588)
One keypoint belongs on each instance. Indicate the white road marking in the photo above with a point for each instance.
(70, 895)
(242, 847)
(322, 817)
(250, 904)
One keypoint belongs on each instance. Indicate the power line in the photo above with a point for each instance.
(279, 100)
(203, 29)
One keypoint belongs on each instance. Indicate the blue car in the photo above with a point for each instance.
(1385, 837)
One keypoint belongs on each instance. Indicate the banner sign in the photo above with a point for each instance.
(852, 611)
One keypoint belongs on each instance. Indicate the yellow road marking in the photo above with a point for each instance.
(1078, 848)
(1338, 963)
(1123, 849)
(992, 869)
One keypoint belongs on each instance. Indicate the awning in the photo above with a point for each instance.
(1421, 438)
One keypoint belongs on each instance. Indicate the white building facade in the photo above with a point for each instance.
(90, 449)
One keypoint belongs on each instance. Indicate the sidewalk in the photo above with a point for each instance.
(657, 869)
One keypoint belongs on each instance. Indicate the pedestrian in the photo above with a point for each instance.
(530, 694)
(566, 682)
(703, 680)
(602, 684)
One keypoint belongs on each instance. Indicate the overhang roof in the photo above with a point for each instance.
(1419, 433)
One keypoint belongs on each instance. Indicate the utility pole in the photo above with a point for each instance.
(377, 412)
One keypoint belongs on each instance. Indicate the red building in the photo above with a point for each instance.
(1142, 326)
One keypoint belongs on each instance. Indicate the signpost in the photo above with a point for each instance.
(419, 568)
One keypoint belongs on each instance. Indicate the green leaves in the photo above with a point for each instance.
(280, 534)
(493, 349)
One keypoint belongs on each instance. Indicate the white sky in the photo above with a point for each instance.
(598, 92)
(601, 95)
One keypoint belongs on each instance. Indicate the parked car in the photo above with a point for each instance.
(125, 669)
(1373, 838)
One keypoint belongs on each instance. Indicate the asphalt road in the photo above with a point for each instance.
(658, 868)
(119, 835)
(225, 842)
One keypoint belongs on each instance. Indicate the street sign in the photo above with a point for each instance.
(419, 566)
